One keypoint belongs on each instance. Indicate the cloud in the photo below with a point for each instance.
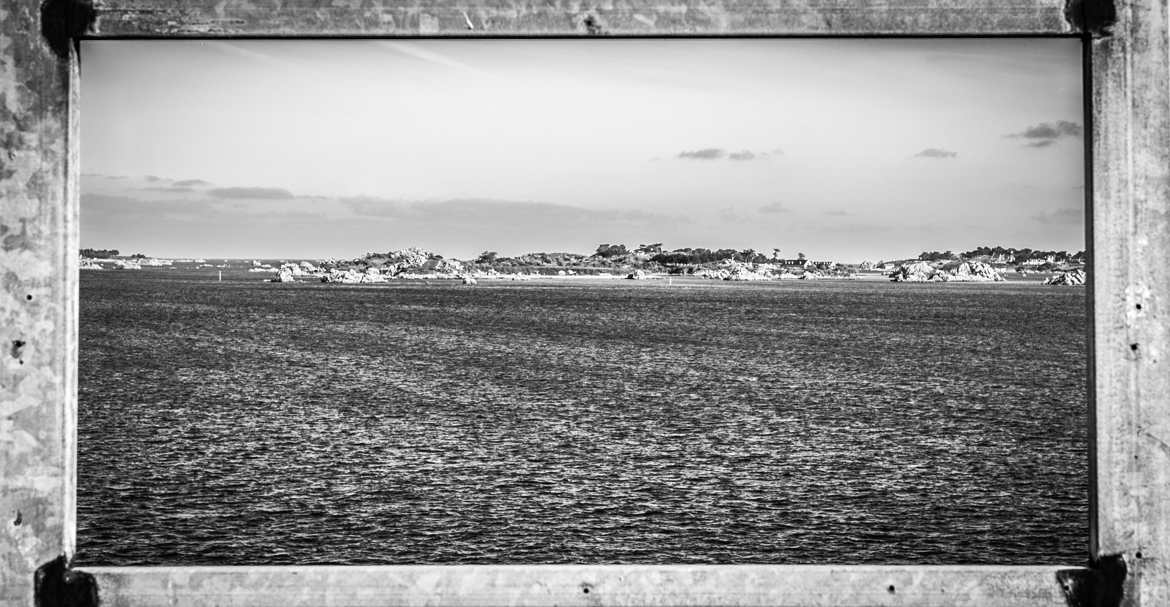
(192, 183)
(107, 201)
(109, 206)
(130, 210)
(1047, 133)
(257, 193)
(721, 153)
(936, 153)
(775, 207)
(837, 213)
(153, 178)
(169, 189)
(1066, 216)
(704, 154)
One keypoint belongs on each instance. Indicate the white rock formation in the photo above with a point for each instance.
(967, 271)
(1072, 278)
(292, 268)
(127, 264)
(353, 277)
(744, 273)
(918, 271)
(284, 276)
(976, 271)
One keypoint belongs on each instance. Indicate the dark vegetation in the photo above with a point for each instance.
(1006, 254)
(108, 254)
(99, 253)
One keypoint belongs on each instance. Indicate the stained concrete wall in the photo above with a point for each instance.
(38, 313)
(575, 17)
(1130, 168)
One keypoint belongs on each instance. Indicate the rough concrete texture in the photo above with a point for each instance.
(1131, 294)
(37, 302)
(581, 586)
(1130, 68)
(574, 17)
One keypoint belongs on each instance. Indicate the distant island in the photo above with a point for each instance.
(644, 262)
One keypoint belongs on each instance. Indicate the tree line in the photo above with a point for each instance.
(1017, 255)
(107, 254)
(653, 252)
(100, 253)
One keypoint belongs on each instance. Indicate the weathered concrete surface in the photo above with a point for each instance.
(1131, 294)
(38, 333)
(580, 586)
(574, 17)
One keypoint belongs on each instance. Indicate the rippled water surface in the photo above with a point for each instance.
(239, 422)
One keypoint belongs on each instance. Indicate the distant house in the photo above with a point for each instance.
(807, 264)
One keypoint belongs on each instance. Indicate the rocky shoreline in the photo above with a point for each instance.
(1073, 278)
(648, 262)
(414, 264)
(967, 271)
(410, 267)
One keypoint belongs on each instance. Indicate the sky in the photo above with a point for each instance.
(840, 149)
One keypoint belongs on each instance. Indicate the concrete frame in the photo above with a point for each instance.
(1127, 68)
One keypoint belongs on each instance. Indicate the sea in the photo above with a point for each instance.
(230, 421)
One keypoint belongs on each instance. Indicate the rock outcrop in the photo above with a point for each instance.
(292, 268)
(744, 273)
(353, 277)
(967, 271)
(285, 275)
(729, 269)
(918, 271)
(446, 266)
(1071, 278)
(975, 271)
